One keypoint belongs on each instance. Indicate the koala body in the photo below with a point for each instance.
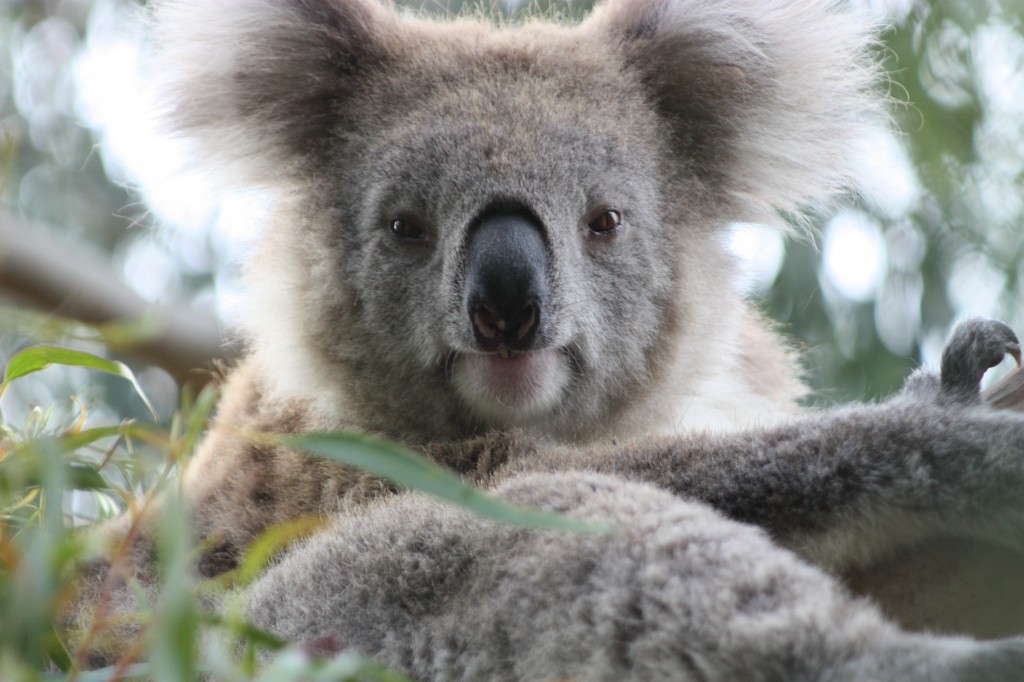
(390, 141)
(502, 246)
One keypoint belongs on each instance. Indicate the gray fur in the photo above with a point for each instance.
(680, 592)
(656, 398)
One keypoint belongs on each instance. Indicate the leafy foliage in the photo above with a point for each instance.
(43, 464)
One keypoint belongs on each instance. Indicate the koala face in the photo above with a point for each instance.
(487, 227)
(515, 328)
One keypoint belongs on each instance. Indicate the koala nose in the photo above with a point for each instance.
(506, 282)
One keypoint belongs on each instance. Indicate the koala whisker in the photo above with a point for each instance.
(448, 364)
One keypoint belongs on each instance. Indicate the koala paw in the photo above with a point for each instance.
(976, 346)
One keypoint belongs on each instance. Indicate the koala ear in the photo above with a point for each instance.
(259, 85)
(765, 98)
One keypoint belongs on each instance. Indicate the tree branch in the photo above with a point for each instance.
(54, 277)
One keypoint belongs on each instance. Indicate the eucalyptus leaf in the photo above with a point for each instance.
(31, 471)
(292, 664)
(271, 541)
(414, 471)
(133, 671)
(38, 358)
(72, 442)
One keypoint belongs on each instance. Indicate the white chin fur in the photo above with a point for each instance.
(514, 390)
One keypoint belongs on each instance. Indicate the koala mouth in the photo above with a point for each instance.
(509, 386)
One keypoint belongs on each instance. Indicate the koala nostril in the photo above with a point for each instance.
(494, 331)
(526, 321)
(487, 324)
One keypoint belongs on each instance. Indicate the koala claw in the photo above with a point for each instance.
(976, 345)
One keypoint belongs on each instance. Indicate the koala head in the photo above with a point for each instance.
(484, 226)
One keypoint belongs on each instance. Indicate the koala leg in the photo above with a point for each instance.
(677, 592)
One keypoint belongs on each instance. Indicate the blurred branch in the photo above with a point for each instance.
(1008, 394)
(55, 277)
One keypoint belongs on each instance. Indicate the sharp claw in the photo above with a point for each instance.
(975, 346)
(1013, 350)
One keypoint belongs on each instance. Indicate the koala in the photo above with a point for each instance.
(501, 245)
(484, 229)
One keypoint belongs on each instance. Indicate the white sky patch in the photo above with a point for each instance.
(975, 287)
(110, 93)
(998, 57)
(151, 271)
(944, 70)
(886, 176)
(760, 251)
(117, 102)
(854, 258)
(889, 10)
(999, 54)
(931, 349)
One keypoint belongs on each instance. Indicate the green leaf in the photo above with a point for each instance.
(271, 541)
(32, 471)
(412, 470)
(40, 357)
(25, 465)
(292, 664)
(133, 671)
(81, 477)
(74, 441)
(244, 629)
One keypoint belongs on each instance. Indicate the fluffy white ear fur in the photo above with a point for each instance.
(790, 84)
(773, 93)
(257, 85)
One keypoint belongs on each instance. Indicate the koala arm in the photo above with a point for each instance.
(840, 486)
(847, 482)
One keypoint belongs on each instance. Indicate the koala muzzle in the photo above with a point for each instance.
(506, 282)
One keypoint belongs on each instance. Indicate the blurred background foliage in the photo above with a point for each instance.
(936, 235)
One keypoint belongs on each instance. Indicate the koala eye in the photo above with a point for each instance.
(606, 222)
(405, 229)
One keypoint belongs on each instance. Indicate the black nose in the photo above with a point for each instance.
(506, 282)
